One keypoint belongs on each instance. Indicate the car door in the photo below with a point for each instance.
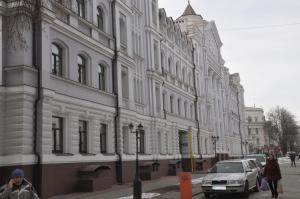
(251, 176)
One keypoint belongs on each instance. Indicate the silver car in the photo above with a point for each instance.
(230, 176)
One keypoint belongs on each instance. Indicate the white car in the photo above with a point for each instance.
(261, 158)
(230, 176)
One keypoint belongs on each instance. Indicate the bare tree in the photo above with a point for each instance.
(282, 127)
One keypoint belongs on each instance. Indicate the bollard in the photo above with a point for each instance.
(185, 185)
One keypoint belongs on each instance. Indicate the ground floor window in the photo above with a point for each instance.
(82, 136)
(103, 137)
(57, 134)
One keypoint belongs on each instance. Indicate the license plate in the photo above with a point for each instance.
(219, 188)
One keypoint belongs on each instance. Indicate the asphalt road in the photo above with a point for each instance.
(291, 184)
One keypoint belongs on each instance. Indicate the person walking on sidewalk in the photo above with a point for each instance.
(293, 159)
(273, 174)
(18, 187)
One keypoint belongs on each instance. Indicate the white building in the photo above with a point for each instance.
(257, 136)
(99, 66)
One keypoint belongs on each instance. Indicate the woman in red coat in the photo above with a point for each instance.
(273, 174)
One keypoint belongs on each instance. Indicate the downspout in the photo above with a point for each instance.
(195, 102)
(238, 109)
(36, 48)
(163, 83)
(119, 172)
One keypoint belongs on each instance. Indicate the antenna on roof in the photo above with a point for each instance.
(189, 1)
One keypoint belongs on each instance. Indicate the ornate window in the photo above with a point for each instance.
(103, 137)
(57, 134)
(82, 136)
(81, 8)
(141, 142)
(56, 60)
(101, 77)
(81, 69)
(100, 18)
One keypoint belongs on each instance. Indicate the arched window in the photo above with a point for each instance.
(154, 13)
(177, 69)
(190, 79)
(205, 144)
(185, 109)
(179, 106)
(123, 31)
(170, 65)
(101, 77)
(171, 104)
(80, 8)
(100, 18)
(164, 100)
(81, 62)
(56, 60)
(183, 75)
(192, 111)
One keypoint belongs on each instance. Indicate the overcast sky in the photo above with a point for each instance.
(261, 41)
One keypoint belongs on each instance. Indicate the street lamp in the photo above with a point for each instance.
(137, 184)
(215, 139)
(246, 144)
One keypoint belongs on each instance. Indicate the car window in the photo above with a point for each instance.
(247, 165)
(228, 167)
(259, 158)
(252, 164)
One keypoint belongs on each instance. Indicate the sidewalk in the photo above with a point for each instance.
(167, 187)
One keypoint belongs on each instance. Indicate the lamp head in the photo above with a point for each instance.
(131, 126)
(140, 127)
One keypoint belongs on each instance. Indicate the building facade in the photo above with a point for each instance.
(92, 68)
(257, 136)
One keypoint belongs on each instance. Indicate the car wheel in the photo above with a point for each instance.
(256, 188)
(246, 190)
(206, 195)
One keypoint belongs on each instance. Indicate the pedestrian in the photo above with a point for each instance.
(293, 159)
(18, 187)
(273, 174)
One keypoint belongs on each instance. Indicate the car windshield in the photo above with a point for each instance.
(259, 158)
(228, 167)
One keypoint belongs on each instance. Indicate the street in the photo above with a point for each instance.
(168, 187)
(291, 180)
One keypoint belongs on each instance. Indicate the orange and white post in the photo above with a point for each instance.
(185, 185)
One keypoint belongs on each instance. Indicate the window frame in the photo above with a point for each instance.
(82, 133)
(60, 134)
(82, 73)
(103, 138)
(81, 8)
(141, 142)
(100, 15)
(101, 77)
(56, 60)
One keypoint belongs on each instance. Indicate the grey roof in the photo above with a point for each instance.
(189, 11)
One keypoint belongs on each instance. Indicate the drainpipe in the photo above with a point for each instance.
(36, 48)
(238, 109)
(196, 104)
(119, 173)
(163, 83)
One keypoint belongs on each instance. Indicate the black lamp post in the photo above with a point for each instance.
(215, 139)
(137, 184)
(246, 144)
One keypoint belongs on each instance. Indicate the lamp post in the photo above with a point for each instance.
(215, 139)
(246, 144)
(137, 184)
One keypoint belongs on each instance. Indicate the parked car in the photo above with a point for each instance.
(230, 176)
(255, 165)
(261, 158)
